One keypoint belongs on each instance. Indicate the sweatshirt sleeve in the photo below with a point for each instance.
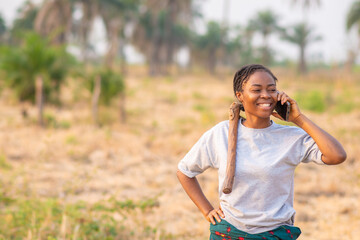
(200, 157)
(311, 152)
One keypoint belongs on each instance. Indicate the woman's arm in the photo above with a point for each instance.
(194, 191)
(332, 151)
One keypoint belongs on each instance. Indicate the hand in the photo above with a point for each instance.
(294, 108)
(215, 214)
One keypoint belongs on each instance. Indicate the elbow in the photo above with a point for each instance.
(179, 174)
(342, 157)
(337, 159)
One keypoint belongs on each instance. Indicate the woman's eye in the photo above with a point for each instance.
(272, 90)
(256, 90)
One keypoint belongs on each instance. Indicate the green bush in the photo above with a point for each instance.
(35, 57)
(112, 84)
(345, 102)
(313, 100)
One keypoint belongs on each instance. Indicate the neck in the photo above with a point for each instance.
(257, 122)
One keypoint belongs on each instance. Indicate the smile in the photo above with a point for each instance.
(264, 106)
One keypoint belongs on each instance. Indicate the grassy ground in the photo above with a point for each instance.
(73, 180)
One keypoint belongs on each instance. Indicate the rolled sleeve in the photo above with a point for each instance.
(199, 158)
(312, 152)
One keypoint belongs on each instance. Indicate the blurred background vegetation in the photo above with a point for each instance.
(50, 42)
(47, 53)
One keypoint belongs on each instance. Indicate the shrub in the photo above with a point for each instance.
(313, 100)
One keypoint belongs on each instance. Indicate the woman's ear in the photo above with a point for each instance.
(239, 96)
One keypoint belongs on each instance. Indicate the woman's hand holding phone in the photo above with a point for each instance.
(294, 108)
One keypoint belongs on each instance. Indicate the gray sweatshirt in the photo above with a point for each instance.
(263, 190)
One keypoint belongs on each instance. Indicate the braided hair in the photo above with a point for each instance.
(243, 75)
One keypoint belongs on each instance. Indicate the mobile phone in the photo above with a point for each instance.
(283, 110)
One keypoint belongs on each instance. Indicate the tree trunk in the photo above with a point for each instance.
(95, 98)
(212, 61)
(302, 63)
(114, 44)
(154, 61)
(350, 61)
(155, 50)
(39, 84)
(169, 25)
(122, 107)
(123, 65)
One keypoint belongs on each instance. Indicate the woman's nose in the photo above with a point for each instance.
(265, 94)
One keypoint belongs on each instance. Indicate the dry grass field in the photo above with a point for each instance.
(73, 179)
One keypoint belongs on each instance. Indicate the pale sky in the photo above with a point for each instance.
(328, 21)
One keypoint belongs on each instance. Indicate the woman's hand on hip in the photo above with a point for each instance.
(215, 214)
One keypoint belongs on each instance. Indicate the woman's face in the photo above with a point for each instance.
(259, 95)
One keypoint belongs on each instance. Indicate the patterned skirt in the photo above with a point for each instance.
(226, 231)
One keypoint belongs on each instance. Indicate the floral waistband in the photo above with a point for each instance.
(226, 231)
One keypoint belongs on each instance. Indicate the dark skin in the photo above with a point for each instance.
(259, 96)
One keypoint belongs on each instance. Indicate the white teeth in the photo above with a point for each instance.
(265, 104)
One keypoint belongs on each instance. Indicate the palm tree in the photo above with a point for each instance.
(54, 20)
(208, 45)
(23, 22)
(35, 70)
(306, 4)
(301, 35)
(105, 84)
(266, 23)
(353, 20)
(2, 28)
(116, 14)
(160, 27)
(82, 27)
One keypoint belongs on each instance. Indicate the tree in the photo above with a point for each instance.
(301, 35)
(266, 23)
(353, 20)
(2, 28)
(306, 4)
(35, 70)
(82, 27)
(162, 29)
(54, 20)
(209, 45)
(105, 84)
(116, 14)
(24, 22)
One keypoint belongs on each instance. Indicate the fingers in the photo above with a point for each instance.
(220, 212)
(295, 110)
(214, 215)
(275, 114)
(283, 97)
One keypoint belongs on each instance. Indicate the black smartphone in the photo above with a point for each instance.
(283, 110)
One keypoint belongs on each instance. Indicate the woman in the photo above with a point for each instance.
(261, 203)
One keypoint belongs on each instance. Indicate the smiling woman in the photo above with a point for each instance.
(260, 205)
(258, 95)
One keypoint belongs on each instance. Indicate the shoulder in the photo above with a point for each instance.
(288, 130)
(223, 125)
(220, 129)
